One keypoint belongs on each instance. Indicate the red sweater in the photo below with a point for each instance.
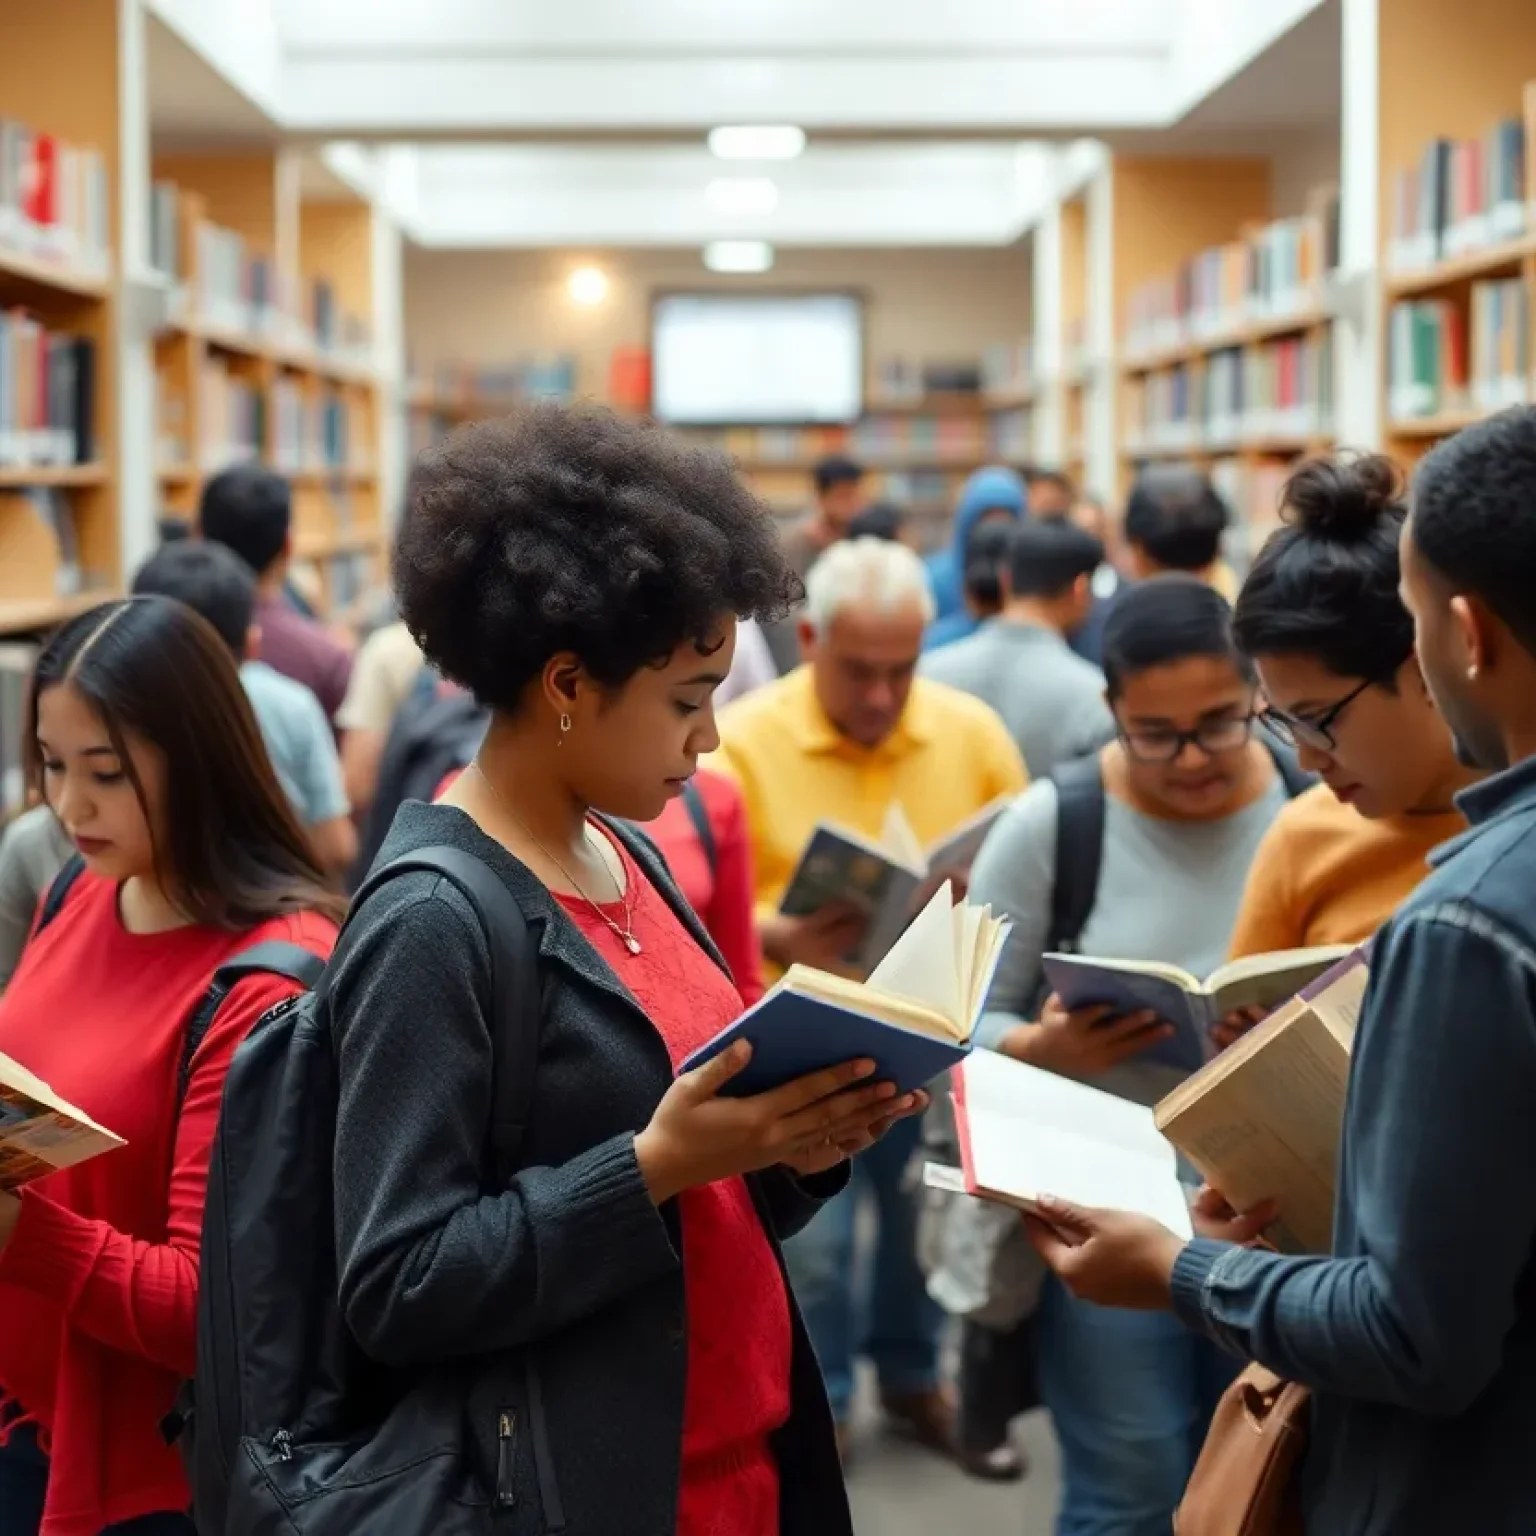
(98, 1284)
(738, 1313)
(722, 898)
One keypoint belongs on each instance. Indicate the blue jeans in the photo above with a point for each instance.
(895, 1324)
(24, 1484)
(1131, 1394)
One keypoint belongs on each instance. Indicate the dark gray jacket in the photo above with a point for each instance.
(566, 1292)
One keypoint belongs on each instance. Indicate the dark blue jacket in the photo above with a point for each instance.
(562, 1299)
(1419, 1336)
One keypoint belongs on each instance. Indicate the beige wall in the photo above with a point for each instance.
(488, 307)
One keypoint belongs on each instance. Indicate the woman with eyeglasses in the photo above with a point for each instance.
(1321, 617)
(1189, 794)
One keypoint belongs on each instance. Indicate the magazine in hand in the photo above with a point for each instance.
(39, 1132)
(913, 1017)
(1192, 1006)
(881, 877)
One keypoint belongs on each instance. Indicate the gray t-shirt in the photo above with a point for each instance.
(299, 742)
(33, 849)
(1168, 890)
(1051, 700)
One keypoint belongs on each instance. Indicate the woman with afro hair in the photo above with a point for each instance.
(635, 1360)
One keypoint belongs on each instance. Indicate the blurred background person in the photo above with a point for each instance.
(994, 494)
(986, 557)
(1174, 522)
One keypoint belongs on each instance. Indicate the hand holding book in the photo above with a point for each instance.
(699, 1134)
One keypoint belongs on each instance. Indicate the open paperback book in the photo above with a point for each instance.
(1263, 1120)
(1025, 1133)
(1192, 1006)
(39, 1132)
(913, 1017)
(882, 876)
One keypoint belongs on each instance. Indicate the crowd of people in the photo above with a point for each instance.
(619, 694)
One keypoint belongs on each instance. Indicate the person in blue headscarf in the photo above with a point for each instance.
(990, 495)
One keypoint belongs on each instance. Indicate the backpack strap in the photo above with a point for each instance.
(1296, 779)
(1079, 850)
(698, 814)
(59, 889)
(515, 986)
(271, 957)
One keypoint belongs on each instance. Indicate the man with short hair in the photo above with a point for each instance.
(839, 483)
(841, 739)
(1051, 493)
(1020, 664)
(215, 583)
(248, 509)
(1174, 522)
(1417, 1334)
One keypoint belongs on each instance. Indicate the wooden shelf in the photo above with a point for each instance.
(321, 546)
(1257, 331)
(1493, 261)
(20, 615)
(350, 474)
(52, 275)
(1255, 447)
(1010, 399)
(1441, 425)
(957, 403)
(18, 476)
(961, 464)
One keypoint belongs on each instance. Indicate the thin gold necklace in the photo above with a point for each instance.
(626, 934)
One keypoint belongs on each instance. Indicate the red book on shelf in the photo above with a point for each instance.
(40, 199)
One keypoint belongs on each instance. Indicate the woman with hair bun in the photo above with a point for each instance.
(1321, 618)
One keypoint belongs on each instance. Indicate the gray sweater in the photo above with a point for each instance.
(1168, 890)
(1051, 700)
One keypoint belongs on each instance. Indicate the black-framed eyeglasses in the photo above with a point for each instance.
(1316, 733)
(1161, 744)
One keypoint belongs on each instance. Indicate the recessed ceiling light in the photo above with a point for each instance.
(587, 286)
(765, 141)
(738, 256)
(742, 196)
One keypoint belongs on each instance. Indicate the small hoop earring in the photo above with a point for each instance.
(565, 725)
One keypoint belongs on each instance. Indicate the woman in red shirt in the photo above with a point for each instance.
(702, 834)
(148, 753)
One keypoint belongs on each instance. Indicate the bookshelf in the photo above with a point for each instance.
(1225, 354)
(1457, 217)
(268, 354)
(59, 313)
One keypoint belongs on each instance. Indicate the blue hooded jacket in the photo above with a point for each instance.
(988, 490)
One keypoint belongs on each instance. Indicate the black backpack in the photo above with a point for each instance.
(1080, 840)
(288, 1427)
(275, 957)
(437, 728)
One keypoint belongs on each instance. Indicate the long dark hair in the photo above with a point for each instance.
(234, 855)
(1325, 585)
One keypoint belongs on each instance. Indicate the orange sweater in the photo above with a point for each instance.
(1326, 875)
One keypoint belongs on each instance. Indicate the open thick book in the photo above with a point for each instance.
(881, 876)
(1025, 1133)
(1192, 1006)
(1263, 1120)
(913, 1016)
(39, 1132)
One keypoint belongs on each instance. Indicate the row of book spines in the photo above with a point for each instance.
(242, 287)
(1246, 277)
(53, 197)
(1462, 194)
(47, 393)
(1284, 372)
(1431, 368)
(238, 416)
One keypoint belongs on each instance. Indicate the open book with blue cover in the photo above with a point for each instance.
(913, 1017)
(1192, 1006)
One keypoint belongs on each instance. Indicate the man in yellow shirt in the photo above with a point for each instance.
(841, 739)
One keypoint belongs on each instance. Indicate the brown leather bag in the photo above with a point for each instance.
(1247, 1479)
